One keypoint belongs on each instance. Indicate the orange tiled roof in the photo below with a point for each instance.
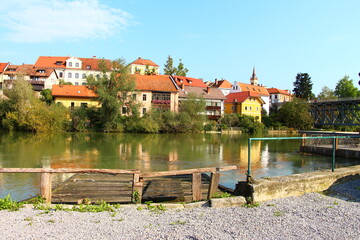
(60, 62)
(72, 91)
(2, 67)
(277, 91)
(223, 84)
(41, 72)
(23, 69)
(254, 88)
(161, 83)
(205, 92)
(242, 96)
(144, 62)
(188, 81)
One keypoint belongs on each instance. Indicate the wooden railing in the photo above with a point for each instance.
(138, 183)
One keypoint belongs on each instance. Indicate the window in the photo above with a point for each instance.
(69, 75)
(41, 71)
(77, 64)
(61, 74)
(88, 67)
(134, 96)
(245, 108)
(144, 110)
(83, 75)
(70, 64)
(257, 108)
(144, 97)
(250, 109)
(76, 75)
(124, 110)
(84, 84)
(72, 105)
(84, 105)
(58, 63)
(76, 83)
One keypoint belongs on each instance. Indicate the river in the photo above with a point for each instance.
(149, 152)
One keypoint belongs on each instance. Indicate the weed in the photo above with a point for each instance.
(97, 221)
(178, 222)
(271, 205)
(135, 197)
(30, 220)
(330, 207)
(279, 214)
(156, 209)
(221, 195)
(8, 204)
(113, 214)
(148, 226)
(99, 207)
(139, 208)
(119, 220)
(335, 203)
(253, 205)
(266, 178)
(51, 221)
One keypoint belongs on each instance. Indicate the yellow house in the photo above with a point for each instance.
(247, 103)
(144, 67)
(74, 96)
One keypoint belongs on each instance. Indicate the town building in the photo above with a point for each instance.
(144, 67)
(246, 103)
(212, 96)
(224, 85)
(72, 96)
(278, 97)
(3, 67)
(72, 69)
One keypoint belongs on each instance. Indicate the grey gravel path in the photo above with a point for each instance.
(311, 216)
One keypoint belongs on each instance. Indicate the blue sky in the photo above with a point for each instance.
(214, 39)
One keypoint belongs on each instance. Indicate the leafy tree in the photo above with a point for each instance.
(303, 86)
(345, 88)
(46, 96)
(194, 106)
(326, 93)
(230, 120)
(114, 90)
(295, 114)
(169, 69)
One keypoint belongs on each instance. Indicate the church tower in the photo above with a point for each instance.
(254, 79)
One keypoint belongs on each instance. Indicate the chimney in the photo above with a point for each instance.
(182, 86)
(208, 89)
(94, 57)
(216, 82)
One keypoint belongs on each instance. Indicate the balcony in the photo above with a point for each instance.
(213, 108)
(160, 101)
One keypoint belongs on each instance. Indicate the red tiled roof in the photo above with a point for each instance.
(187, 81)
(254, 88)
(37, 72)
(72, 91)
(145, 62)
(206, 92)
(51, 62)
(223, 84)
(277, 91)
(2, 67)
(161, 83)
(241, 96)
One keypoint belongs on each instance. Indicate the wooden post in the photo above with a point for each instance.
(137, 188)
(336, 143)
(303, 140)
(214, 184)
(196, 186)
(45, 186)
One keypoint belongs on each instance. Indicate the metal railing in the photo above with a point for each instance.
(334, 147)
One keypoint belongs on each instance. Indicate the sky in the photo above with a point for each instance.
(214, 39)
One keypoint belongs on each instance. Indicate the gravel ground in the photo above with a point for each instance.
(311, 216)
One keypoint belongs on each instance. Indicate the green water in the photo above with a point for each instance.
(148, 152)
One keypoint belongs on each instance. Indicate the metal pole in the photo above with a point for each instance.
(333, 155)
(249, 157)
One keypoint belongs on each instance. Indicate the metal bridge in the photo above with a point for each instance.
(336, 112)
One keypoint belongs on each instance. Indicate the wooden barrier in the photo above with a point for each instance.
(137, 187)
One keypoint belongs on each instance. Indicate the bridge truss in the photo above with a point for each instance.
(342, 112)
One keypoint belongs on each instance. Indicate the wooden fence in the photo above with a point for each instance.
(138, 184)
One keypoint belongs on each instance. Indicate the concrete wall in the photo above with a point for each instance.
(296, 184)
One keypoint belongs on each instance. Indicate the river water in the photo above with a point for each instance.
(149, 152)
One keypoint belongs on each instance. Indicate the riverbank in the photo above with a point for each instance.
(311, 216)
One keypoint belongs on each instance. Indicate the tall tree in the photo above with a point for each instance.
(169, 69)
(345, 88)
(114, 92)
(326, 93)
(169, 66)
(303, 86)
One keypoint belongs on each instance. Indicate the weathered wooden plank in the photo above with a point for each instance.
(188, 171)
(66, 170)
(214, 184)
(196, 186)
(45, 187)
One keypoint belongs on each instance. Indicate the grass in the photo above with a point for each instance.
(178, 222)
(221, 195)
(8, 204)
(155, 208)
(279, 213)
(252, 205)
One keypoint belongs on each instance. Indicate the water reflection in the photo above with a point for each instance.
(149, 152)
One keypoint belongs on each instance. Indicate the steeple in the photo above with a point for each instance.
(254, 79)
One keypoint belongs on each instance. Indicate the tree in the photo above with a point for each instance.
(326, 93)
(194, 107)
(295, 114)
(169, 69)
(46, 96)
(114, 90)
(345, 88)
(303, 86)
